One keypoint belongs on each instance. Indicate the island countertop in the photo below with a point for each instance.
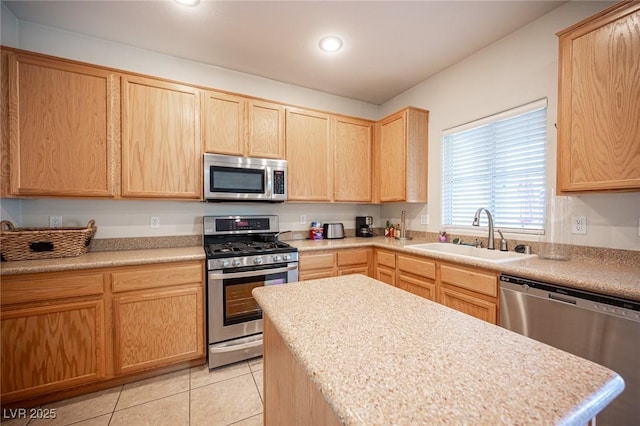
(380, 355)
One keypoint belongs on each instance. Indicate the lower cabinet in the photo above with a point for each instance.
(159, 319)
(470, 290)
(66, 330)
(416, 275)
(466, 289)
(385, 267)
(331, 263)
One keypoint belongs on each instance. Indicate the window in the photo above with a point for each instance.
(497, 162)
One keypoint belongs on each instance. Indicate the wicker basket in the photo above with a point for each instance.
(44, 243)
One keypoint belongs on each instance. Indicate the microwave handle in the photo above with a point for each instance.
(219, 276)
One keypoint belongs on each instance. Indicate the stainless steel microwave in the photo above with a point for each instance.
(232, 178)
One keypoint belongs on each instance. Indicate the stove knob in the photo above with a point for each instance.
(225, 263)
(285, 257)
(257, 260)
(236, 262)
(276, 258)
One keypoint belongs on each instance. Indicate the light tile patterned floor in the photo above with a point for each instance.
(230, 395)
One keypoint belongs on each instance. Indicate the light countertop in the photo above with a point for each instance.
(380, 355)
(103, 259)
(619, 280)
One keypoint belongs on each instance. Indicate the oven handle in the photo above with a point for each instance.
(218, 276)
(231, 348)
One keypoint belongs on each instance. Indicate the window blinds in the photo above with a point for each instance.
(497, 162)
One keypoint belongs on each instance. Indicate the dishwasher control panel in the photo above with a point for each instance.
(610, 305)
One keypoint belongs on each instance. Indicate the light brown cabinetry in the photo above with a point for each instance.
(352, 153)
(161, 147)
(353, 261)
(469, 290)
(466, 289)
(310, 165)
(53, 333)
(416, 275)
(331, 263)
(403, 155)
(385, 267)
(63, 330)
(158, 315)
(64, 127)
(236, 125)
(599, 102)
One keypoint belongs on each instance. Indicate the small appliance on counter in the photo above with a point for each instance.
(364, 226)
(333, 231)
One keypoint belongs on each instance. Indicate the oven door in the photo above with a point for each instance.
(233, 312)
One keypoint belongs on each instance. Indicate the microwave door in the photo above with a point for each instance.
(238, 183)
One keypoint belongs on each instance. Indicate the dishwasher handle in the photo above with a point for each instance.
(563, 299)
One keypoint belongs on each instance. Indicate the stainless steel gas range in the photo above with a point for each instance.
(243, 252)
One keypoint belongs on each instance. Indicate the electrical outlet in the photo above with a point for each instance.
(154, 222)
(303, 219)
(55, 221)
(579, 225)
(424, 219)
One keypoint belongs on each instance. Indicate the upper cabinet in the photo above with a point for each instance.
(599, 102)
(64, 127)
(309, 157)
(161, 146)
(236, 125)
(402, 156)
(352, 159)
(329, 157)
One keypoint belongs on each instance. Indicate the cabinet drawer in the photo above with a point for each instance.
(387, 259)
(316, 261)
(157, 276)
(59, 286)
(479, 282)
(353, 257)
(421, 267)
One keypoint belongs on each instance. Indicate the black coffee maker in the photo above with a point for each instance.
(364, 226)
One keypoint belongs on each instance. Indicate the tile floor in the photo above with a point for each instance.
(230, 395)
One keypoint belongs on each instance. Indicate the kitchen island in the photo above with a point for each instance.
(353, 350)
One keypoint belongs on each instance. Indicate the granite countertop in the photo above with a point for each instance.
(103, 259)
(606, 278)
(381, 355)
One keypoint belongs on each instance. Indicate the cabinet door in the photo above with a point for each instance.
(223, 129)
(308, 155)
(392, 161)
(386, 275)
(352, 160)
(50, 348)
(417, 285)
(599, 103)
(158, 327)
(64, 131)
(265, 122)
(468, 304)
(161, 146)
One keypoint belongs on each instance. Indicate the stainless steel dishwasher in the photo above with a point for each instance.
(603, 329)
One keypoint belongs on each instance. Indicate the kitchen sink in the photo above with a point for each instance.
(470, 252)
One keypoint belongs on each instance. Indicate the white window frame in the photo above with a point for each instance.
(539, 194)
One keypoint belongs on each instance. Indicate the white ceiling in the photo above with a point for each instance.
(389, 46)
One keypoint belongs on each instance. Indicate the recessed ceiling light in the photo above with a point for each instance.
(330, 44)
(188, 2)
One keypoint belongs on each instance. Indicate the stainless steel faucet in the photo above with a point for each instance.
(476, 222)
